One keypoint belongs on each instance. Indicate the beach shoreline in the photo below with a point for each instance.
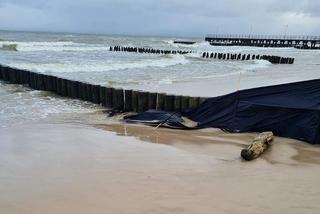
(85, 163)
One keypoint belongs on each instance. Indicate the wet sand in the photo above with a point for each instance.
(99, 167)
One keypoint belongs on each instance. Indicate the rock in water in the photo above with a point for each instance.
(260, 144)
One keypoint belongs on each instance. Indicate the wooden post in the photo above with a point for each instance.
(12, 75)
(89, 96)
(135, 101)
(63, 90)
(75, 90)
(109, 94)
(5, 74)
(118, 99)
(95, 94)
(202, 99)
(142, 101)
(127, 100)
(260, 144)
(54, 84)
(177, 103)
(184, 103)
(81, 90)
(193, 102)
(103, 95)
(26, 77)
(69, 84)
(160, 101)
(1, 72)
(152, 100)
(32, 80)
(169, 102)
(39, 82)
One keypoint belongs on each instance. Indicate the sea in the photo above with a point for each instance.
(87, 58)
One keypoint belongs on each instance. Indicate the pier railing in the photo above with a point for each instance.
(266, 37)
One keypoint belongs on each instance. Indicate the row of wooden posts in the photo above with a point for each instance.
(120, 100)
(222, 56)
(146, 50)
(235, 56)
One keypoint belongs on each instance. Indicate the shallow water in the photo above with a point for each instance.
(87, 58)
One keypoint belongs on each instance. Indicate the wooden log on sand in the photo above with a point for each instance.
(260, 144)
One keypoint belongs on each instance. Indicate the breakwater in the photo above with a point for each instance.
(117, 99)
(146, 50)
(222, 56)
(235, 56)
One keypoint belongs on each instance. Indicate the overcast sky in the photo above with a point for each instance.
(163, 17)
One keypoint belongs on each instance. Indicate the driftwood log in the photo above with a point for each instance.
(260, 144)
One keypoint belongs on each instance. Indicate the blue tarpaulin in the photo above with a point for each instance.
(288, 110)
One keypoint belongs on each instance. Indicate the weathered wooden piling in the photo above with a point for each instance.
(95, 94)
(128, 100)
(102, 95)
(142, 101)
(12, 75)
(184, 102)
(82, 91)
(25, 76)
(160, 101)
(118, 99)
(202, 99)
(109, 99)
(75, 90)
(169, 102)
(260, 144)
(193, 102)
(32, 80)
(152, 100)
(1, 72)
(135, 100)
(177, 103)
(39, 82)
(69, 84)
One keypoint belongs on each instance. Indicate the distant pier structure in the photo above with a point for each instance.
(301, 42)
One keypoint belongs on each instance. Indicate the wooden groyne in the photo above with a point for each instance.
(235, 56)
(222, 56)
(146, 50)
(117, 99)
(303, 42)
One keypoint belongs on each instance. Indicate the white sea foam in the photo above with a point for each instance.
(66, 67)
(257, 64)
(55, 46)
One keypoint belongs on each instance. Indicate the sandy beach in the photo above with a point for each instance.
(65, 165)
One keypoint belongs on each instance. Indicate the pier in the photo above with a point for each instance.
(301, 42)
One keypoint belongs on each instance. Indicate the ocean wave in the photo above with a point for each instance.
(55, 46)
(162, 62)
(257, 64)
(9, 47)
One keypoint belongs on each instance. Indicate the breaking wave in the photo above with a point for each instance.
(161, 62)
(54, 46)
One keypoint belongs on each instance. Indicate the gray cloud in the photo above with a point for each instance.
(166, 17)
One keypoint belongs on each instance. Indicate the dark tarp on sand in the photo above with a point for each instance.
(288, 110)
